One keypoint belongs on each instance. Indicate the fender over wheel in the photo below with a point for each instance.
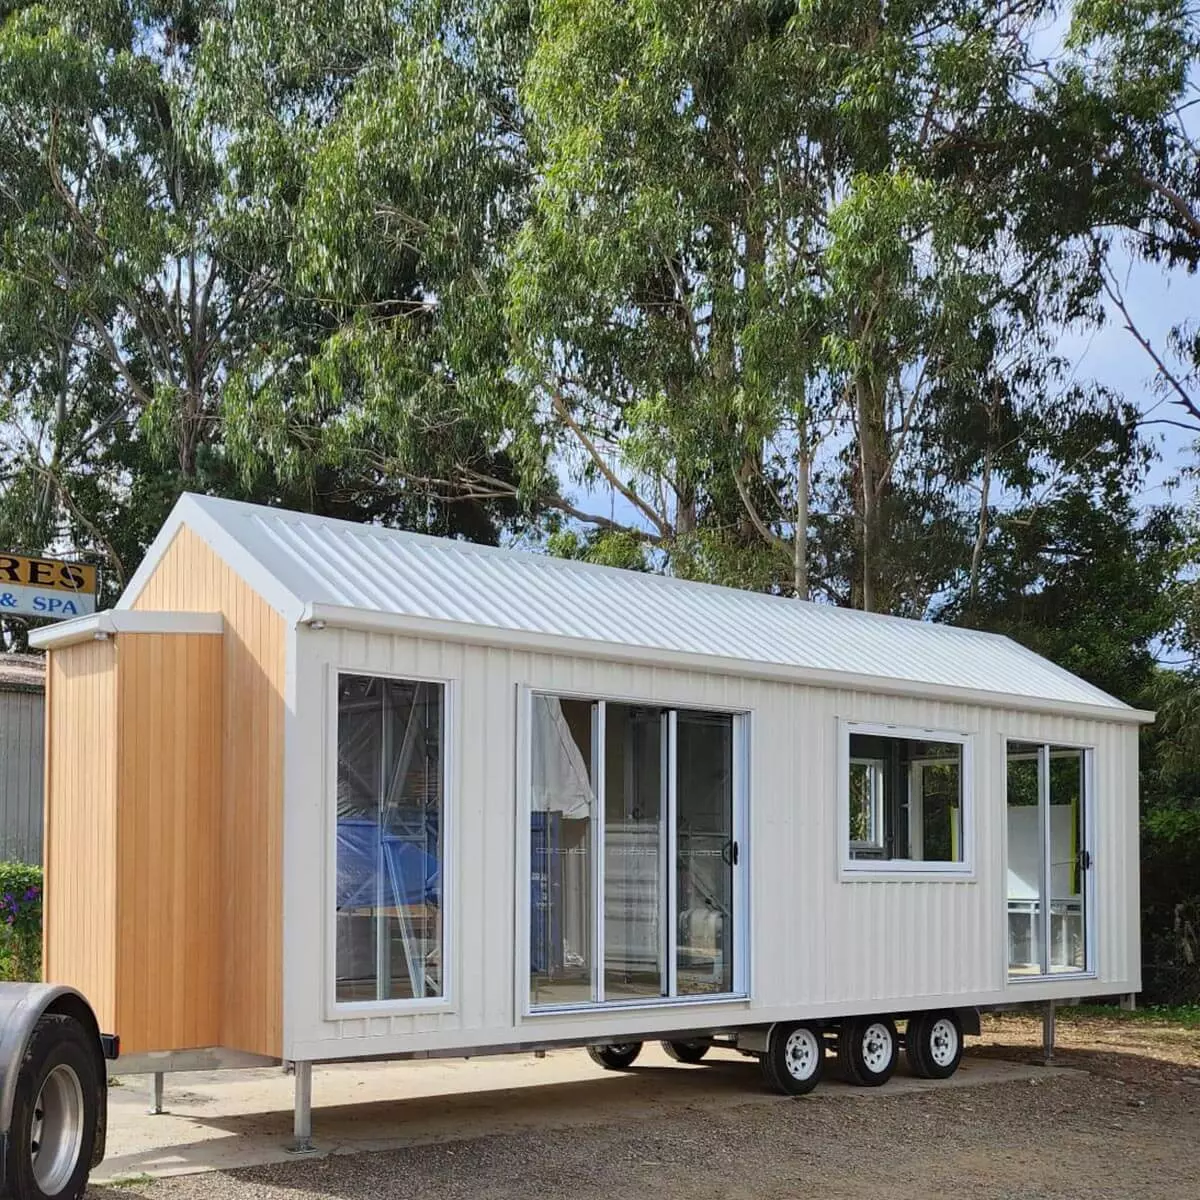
(686, 1052)
(794, 1060)
(933, 1043)
(868, 1049)
(616, 1056)
(54, 1116)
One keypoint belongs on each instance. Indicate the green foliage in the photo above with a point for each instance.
(20, 921)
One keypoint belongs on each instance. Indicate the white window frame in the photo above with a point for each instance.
(1090, 809)
(338, 1010)
(525, 1009)
(849, 868)
(874, 768)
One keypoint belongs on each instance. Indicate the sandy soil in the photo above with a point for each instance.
(1129, 1127)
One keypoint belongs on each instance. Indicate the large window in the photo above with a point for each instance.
(1048, 859)
(634, 852)
(905, 800)
(390, 785)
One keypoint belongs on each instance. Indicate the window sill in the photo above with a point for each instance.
(918, 872)
(647, 1005)
(1060, 977)
(360, 1010)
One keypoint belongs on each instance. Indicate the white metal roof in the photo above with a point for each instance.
(314, 568)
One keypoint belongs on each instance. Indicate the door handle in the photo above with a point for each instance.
(1085, 860)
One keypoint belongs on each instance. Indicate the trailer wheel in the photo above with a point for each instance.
(795, 1059)
(55, 1108)
(617, 1056)
(868, 1048)
(686, 1052)
(934, 1044)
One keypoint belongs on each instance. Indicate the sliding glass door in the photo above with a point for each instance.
(1048, 861)
(634, 854)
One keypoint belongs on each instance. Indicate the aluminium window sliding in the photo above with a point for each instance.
(634, 867)
(906, 800)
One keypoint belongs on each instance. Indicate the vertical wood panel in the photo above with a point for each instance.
(191, 578)
(169, 952)
(80, 908)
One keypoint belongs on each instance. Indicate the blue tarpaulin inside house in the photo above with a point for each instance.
(412, 876)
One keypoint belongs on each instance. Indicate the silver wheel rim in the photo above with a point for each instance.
(801, 1054)
(56, 1134)
(877, 1047)
(943, 1042)
(621, 1048)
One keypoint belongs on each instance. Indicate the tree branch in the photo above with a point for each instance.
(659, 523)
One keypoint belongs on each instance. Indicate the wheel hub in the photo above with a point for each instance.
(56, 1131)
(801, 1053)
(943, 1042)
(877, 1048)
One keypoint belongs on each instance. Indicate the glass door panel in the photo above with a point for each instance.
(705, 853)
(1024, 817)
(634, 846)
(1067, 859)
(562, 925)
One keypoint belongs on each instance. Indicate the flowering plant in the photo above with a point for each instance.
(21, 919)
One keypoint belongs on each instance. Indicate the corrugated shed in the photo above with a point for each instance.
(22, 717)
(298, 561)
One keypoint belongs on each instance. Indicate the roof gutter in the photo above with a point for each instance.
(102, 625)
(317, 616)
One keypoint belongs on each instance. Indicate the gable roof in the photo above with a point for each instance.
(342, 573)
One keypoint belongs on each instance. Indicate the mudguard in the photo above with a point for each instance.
(22, 1005)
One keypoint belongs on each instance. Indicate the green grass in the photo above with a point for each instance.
(1185, 1016)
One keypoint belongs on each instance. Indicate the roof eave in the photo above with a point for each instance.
(369, 621)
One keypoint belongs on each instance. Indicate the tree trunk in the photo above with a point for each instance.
(872, 462)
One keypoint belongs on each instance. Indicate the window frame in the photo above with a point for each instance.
(875, 775)
(742, 731)
(339, 1010)
(855, 869)
(1091, 808)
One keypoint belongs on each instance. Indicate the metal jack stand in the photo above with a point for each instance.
(1048, 1034)
(156, 1094)
(302, 1122)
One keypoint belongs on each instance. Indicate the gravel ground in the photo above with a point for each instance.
(1128, 1128)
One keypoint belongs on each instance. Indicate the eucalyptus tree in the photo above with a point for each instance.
(771, 293)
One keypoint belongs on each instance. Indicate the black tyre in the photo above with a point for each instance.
(868, 1049)
(795, 1059)
(55, 1109)
(686, 1052)
(619, 1056)
(933, 1043)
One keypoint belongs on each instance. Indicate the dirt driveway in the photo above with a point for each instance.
(1126, 1124)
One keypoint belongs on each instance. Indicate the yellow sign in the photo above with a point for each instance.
(46, 587)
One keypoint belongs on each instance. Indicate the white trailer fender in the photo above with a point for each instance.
(22, 1005)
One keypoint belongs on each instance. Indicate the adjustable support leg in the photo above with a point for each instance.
(1048, 1034)
(156, 1094)
(302, 1121)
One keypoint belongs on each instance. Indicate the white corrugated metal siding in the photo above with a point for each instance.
(300, 561)
(820, 945)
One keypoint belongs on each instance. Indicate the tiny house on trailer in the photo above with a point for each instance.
(320, 791)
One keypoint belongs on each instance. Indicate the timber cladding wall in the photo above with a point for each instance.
(249, 909)
(169, 967)
(80, 833)
(133, 801)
